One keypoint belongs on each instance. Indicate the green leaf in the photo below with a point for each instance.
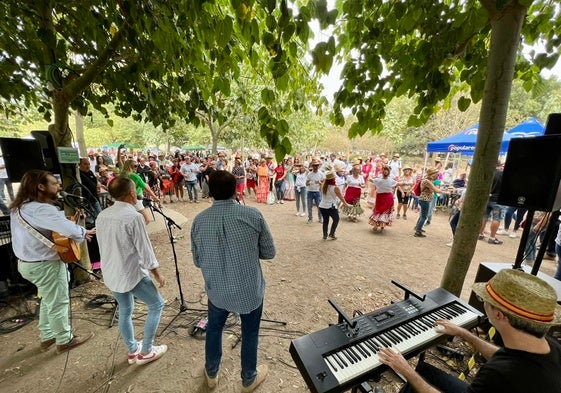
(110, 122)
(463, 103)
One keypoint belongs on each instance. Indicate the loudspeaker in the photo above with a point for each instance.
(532, 174)
(50, 155)
(553, 125)
(20, 156)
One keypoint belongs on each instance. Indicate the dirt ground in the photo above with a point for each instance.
(355, 271)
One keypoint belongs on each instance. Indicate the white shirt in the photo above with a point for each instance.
(395, 166)
(45, 218)
(329, 200)
(384, 185)
(300, 180)
(125, 248)
(189, 171)
(314, 180)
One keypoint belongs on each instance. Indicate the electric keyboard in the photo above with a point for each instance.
(339, 357)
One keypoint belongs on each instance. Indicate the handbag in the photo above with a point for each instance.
(271, 198)
(67, 249)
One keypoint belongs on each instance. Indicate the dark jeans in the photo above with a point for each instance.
(334, 214)
(454, 222)
(509, 214)
(441, 380)
(250, 339)
(425, 206)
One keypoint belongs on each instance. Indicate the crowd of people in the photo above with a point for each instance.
(233, 277)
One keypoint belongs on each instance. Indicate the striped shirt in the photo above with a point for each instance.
(227, 241)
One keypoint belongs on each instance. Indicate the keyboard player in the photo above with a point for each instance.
(522, 308)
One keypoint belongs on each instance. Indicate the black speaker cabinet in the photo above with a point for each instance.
(50, 155)
(553, 126)
(532, 173)
(20, 156)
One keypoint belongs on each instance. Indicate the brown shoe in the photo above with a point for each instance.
(262, 372)
(76, 341)
(45, 345)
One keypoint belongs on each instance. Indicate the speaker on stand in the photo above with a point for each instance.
(531, 180)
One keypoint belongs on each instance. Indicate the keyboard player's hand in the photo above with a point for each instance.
(395, 360)
(444, 326)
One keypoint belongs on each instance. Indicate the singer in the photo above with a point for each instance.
(33, 208)
(127, 259)
(233, 277)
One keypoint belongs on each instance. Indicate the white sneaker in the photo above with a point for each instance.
(502, 232)
(449, 244)
(156, 353)
(513, 235)
(297, 214)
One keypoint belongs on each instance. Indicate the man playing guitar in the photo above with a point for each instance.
(33, 210)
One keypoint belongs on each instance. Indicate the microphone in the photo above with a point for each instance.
(64, 194)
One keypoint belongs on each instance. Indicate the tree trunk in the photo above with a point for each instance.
(80, 134)
(505, 41)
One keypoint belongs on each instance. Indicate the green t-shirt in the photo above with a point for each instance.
(138, 182)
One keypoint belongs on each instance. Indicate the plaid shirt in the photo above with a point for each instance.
(227, 241)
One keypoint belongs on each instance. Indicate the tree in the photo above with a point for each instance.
(431, 50)
(153, 60)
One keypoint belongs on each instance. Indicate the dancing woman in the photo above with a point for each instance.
(382, 215)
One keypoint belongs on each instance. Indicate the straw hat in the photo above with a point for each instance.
(356, 161)
(330, 175)
(338, 168)
(432, 172)
(407, 168)
(396, 155)
(521, 295)
(315, 161)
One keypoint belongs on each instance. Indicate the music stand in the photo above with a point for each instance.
(182, 306)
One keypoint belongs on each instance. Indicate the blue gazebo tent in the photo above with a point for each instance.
(528, 128)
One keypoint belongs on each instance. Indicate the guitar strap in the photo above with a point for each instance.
(36, 234)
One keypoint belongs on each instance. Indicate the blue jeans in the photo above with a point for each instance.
(146, 291)
(6, 182)
(250, 340)
(192, 190)
(313, 196)
(301, 194)
(334, 214)
(431, 208)
(441, 380)
(425, 206)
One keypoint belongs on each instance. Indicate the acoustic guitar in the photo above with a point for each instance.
(68, 250)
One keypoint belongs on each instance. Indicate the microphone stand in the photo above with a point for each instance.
(169, 225)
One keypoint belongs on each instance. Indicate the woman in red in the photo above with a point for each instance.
(177, 179)
(366, 169)
(280, 175)
(383, 208)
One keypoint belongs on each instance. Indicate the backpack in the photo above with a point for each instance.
(417, 188)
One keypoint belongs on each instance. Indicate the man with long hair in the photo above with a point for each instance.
(33, 220)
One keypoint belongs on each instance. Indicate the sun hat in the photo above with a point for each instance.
(330, 175)
(338, 168)
(315, 161)
(407, 168)
(522, 295)
(432, 171)
(396, 155)
(356, 161)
